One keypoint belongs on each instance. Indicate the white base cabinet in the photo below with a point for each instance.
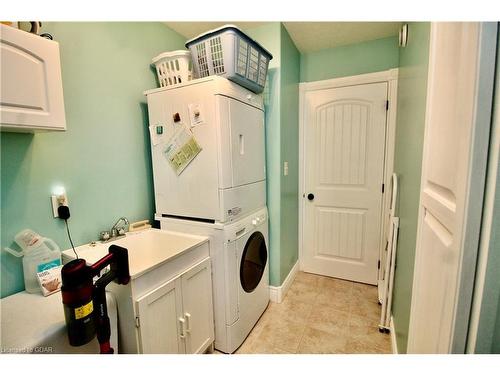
(177, 316)
(168, 310)
(159, 315)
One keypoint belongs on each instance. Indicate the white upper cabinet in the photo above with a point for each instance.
(31, 96)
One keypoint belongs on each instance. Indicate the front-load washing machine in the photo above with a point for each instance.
(240, 267)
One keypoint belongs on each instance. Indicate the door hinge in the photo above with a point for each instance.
(386, 105)
(137, 322)
(378, 265)
(383, 188)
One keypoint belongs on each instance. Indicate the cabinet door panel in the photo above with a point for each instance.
(31, 91)
(159, 312)
(197, 307)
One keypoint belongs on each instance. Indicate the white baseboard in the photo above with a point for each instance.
(277, 293)
(273, 293)
(394, 343)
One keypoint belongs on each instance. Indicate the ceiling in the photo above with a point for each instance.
(307, 36)
(315, 36)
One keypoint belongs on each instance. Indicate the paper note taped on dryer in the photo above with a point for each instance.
(181, 149)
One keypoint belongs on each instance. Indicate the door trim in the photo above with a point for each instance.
(391, 77)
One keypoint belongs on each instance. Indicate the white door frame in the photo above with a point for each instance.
(391, 77)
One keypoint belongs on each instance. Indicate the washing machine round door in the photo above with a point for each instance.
(253, 262)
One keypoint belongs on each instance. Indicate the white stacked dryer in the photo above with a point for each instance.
(227, 178)
(220, 192)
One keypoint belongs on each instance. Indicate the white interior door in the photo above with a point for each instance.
(344, 140)
(449, 173)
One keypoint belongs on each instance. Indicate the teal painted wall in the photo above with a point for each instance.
(495, 246)
(103, 159)
(495, 347)
(412, 90)
(488, 333)
(290, 76)
(269, 36)
(353, 59)
(281, 98)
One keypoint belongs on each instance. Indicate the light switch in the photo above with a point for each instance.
(285, 168)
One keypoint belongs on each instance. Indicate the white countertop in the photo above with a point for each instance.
(32, 323)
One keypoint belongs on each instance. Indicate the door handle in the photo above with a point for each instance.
(242, 145)
(187, 316)
(310, 196)
(183, 328)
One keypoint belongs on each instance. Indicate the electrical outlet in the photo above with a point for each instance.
(285, 168)
(58, 200)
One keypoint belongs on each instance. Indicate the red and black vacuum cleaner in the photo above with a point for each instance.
(85, 308)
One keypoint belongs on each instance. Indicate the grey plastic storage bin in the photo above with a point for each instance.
(230, 53)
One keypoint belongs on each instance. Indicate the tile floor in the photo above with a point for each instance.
(320, 315)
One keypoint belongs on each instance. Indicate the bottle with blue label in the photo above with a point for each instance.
(39, 254)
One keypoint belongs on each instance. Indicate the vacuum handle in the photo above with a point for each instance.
(120, 264)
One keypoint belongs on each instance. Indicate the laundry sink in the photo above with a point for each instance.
(147, 249)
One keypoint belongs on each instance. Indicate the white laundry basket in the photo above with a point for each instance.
(229, 52)
(173, 67)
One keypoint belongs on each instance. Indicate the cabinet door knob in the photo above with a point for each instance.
(310, 196)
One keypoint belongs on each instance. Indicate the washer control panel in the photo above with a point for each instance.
(240, 228)
(258, 220)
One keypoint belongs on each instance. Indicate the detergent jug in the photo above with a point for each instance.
(39, 254)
